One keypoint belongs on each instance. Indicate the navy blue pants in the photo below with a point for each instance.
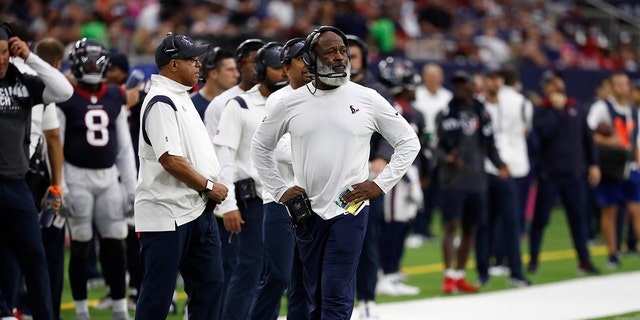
(392, 245)
(279, 248)
(367, 272)
(571, 192)
(229, 255)
(523, 185)
(20, 232)
(53, 240)
(330, 250)
(431, 194)
(243, 283)
(194, 250)
(501, 227)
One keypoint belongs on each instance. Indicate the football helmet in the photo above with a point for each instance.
(398, 74)
(89, 61)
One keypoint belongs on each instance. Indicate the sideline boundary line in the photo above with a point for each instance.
(429, 268)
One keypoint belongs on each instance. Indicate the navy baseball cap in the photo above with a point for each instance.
(272, 54)
(177, 47)
(549, 75)
(292, 49)
(119, 59)
(461, 76)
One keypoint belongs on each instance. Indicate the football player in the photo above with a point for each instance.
(98, 151)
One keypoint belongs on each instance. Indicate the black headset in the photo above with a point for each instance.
(286, 57)
(309, 56)
(211, 60)
(355, 40)
(260, 66)
(173, 50)
(240, 51)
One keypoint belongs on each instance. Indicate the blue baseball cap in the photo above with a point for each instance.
(177, 47)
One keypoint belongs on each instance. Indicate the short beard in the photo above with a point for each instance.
(333, 82)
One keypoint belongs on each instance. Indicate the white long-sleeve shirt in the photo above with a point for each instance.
(233, 144)
(330, 134)
(510, 118)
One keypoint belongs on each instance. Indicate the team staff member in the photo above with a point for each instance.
(465, 138)
(282, 265)
(369, 264)
(219, 73)
(617, 112)
(245, 57)
(331, 122)
(20, 229)
(500, 229)
(567, 155)
(176, 191)
(243, 209)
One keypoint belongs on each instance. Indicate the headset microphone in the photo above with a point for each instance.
(332, 75)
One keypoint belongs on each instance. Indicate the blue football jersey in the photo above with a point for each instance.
(90, 139)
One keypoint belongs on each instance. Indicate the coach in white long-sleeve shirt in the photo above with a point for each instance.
(331, 122)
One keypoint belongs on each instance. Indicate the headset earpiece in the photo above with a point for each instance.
(309, 56)
(260, 66)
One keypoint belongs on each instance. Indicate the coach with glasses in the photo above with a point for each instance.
(176, 191)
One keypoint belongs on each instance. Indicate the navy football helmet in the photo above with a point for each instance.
(398, 74)
(89, 61)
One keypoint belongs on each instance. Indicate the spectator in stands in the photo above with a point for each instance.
(567, 155)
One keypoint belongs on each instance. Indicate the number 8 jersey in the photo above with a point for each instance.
(90, 134)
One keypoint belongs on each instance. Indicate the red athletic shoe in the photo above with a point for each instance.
(449, 285)
(465, 286)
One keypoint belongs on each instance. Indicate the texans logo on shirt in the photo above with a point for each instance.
(353, 110)
(469, 124)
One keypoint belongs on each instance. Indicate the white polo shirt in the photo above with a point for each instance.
(511, 119)
(214, 111)
(330, 134)
(235, 130)
(162, 202)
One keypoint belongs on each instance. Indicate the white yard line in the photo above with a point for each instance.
(583, 298)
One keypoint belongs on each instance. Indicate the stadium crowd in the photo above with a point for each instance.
(553, 34)
(229, 69)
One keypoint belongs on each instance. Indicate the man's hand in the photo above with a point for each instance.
(233, 221)
(291, 193)
(504, 172)
(453, 161)
(218, 193)
(594, 175)
(19, 48)
(362, 191)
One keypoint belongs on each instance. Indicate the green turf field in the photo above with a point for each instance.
(424, 269)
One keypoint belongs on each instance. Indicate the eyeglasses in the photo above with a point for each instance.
(193, 60)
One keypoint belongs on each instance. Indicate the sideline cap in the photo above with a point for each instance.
(177, 47)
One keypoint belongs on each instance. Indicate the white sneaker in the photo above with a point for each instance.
(367, 310)
(498, 271)
(104, 303)
(390, 285)
(414, 241)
